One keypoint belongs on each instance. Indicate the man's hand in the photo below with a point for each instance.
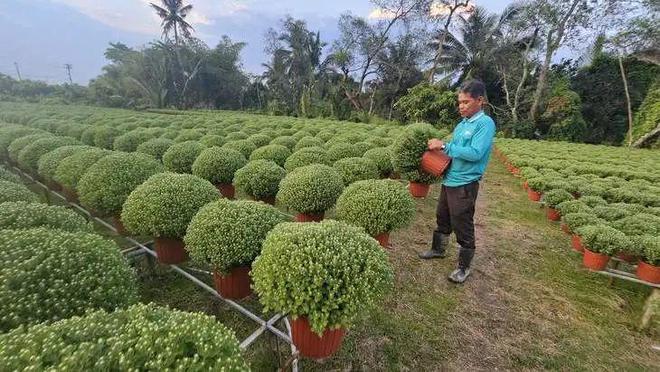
(435, 144)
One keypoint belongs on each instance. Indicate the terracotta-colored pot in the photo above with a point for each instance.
(595, 261)
(435, 162)
(525, 186)
(565, 228)
(383, 239)
(170, 251)
(648, 273)
(533, 195)
(515, 171)
(309, 217)
(553, 214)
(419, 190)
(627, 257)
(235, 285)
(312, 345)
(116, 222)
(227, 190)
(70, 195)
(576, 242)
(268, 200)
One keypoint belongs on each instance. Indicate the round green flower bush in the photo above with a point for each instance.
(572, 206)
(156, 147)
(106, 184)
(555, 197)
(648, 248)
(593, 201)
(49, 162)
(382, 156)
(639, 224)
(49, 275)
(10, 133)
(30, 154)
(259, 140)
(218, 165)
(164, 204)
(630, 208)
(188, 135)
(20, 143)
(260, 179)
(236, 136)
(363, 147)
(129, 142)
(604, 239)
(311, 189)
(590, 189)
(72, 168)
(308, 142)
(25, 215)
(211, 140)
(287, 141)
(6, 175)
(609, 213)
(229, 234)
(306, 156)
(104, 137)
(139, 338)
(329, 272)
(180, 157)
(245, 147)
(276, 153)
(408, 149)
(356, 169)
(11, 191)
(377, 206)
(342, 151)
(539, 184)
(577, 220)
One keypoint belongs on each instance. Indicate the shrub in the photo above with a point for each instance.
(156, 147)
(30, 154)
(363, 147)
(408, 149)
(382, 156)
(309, 142)
(593, 201)
(356, 169)
(164, 204)
(276, 153)
(259, 140)
(539, 184)
(342, 151)
(25, 215)
(187, 135)
(639, 224)
(229, 234)
(377, 206)
(648, 248)
(72, 168)
(9, 134)
(104, 137)
(589, 189)
(211, 140)
(329, 272)
(180, 157)
(10, 192)
(609, 213)
(6, 175)
(245, 147)
(429, 102)
(577, 220)
(15, 147)
(236, 136)
(287, 141)
(604, 239)
(311, 189)
(124, 340)
(52, 274)
(572, 206)
(218, 165)
(553, 197)
(260, 179)
(49, 162)
(106, 184)
(129, 142)
(305, 157)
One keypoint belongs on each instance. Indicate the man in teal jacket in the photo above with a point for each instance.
(469, 149)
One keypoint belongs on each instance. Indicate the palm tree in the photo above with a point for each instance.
(173, 13)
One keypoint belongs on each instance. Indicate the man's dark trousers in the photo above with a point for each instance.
(455, 212)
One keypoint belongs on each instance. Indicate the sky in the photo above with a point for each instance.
(41, 36)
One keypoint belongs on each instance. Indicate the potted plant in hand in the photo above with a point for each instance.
(162, 207)
(324, 276)
(310, 190)
(377, 206)
(228, 236)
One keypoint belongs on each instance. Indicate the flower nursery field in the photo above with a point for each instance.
(531, 303)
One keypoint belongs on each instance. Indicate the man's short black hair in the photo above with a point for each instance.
(475, 88)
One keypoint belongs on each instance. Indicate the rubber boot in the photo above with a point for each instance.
(438, 247)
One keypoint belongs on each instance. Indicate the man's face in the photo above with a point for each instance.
(468, 106)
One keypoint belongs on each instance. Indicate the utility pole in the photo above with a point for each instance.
(68, 68)
(18, 72)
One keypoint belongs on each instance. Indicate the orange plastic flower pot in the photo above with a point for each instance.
(312, 345)
(576, 242)
(383, 239)
(309, 217)
(235, 285)
(227, 190)
(648, 272)
(170, 251)
(553, 214)
(119, 226)
(565, 228)
(595, 261)
(419, 190)
(533, 195)
(435, 162)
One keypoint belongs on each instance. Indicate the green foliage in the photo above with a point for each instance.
(211, 140)
(609, 213)
(648, 248)
(276, 153)
(382, 156)
(124, 340)
(245, 147)
(356, 169)
(639, 224)
(104, 137)
(72, 168)
(554, 197)
(604, 239)
(25, 215)
(577, 220)
(29, 156)
(648, 115)
(259, 140)
(156, 147)
(106, 184)
(408, 149)
(164, 204)
(429, 103)
(17, 145)
(572, 206)
(48, 163)
(306, 156)
(309, 142)
(10, 192)
(377, 206)
(563, 115)
(342, 151)
(218, 165)
(129, 142)
(311, 189)
(179, 158)
(260, 179)
(52, 274)
(186, 135)
(593, 201)
(329, 272)
(287, 141)
(10, 133)
(229, 234)
(6, 175)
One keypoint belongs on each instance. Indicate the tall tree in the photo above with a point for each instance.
(445, 10)
(173, 15)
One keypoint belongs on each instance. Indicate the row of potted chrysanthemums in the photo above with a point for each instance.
(599, 229)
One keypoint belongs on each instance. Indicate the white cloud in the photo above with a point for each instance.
(378, 14)
(439, 9)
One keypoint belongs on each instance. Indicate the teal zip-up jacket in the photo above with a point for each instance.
(469, 149)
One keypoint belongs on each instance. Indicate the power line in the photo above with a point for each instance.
(68, 68)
